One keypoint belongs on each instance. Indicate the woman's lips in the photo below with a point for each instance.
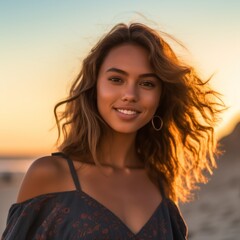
(127, 111)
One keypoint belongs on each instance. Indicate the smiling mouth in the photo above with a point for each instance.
(127, 111)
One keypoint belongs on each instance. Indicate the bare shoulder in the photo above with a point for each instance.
(45, 175)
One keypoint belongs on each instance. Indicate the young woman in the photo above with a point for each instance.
(137, 133)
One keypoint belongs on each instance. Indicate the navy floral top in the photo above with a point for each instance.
(76, 215)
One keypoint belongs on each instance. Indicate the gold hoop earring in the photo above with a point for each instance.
(161, 123)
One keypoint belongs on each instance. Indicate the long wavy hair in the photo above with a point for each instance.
(183, 152)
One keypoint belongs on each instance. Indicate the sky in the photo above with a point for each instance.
(43, 42)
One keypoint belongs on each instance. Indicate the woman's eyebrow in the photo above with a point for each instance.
(117, 70)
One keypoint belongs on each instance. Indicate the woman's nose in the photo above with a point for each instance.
(130, 94)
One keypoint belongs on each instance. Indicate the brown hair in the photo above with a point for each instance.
(178, 155)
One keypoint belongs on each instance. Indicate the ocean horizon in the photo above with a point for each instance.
(15, 165)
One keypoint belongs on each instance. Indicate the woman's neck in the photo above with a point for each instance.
(119, 151)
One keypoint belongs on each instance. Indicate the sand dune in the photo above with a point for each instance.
(215, 214)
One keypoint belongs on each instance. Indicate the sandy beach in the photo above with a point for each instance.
(215, 213)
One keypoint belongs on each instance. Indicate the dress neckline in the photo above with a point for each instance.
(99, 204)
(105, 208)
(78, 187)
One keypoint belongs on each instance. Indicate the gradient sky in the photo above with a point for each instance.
(42, 44)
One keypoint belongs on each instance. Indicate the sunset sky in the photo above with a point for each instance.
(42, 44)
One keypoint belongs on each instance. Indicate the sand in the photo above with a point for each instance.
(215, 214)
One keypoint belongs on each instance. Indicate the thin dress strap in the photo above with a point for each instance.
(71, 167)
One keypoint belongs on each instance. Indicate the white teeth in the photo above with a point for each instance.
(128, 112)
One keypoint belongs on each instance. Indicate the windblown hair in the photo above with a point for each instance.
(177, 157)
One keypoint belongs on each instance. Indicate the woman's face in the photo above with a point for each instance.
(128, 91)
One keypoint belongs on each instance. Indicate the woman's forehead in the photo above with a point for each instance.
(127, 57)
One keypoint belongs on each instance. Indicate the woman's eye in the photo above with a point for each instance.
(147, 84)
(115, 79)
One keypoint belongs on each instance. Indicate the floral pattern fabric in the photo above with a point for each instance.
(76, 215)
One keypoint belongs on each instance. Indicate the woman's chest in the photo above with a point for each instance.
(130, 196)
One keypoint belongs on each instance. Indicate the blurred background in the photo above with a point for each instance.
(42, 44)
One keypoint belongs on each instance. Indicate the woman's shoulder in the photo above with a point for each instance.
(45, 175)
